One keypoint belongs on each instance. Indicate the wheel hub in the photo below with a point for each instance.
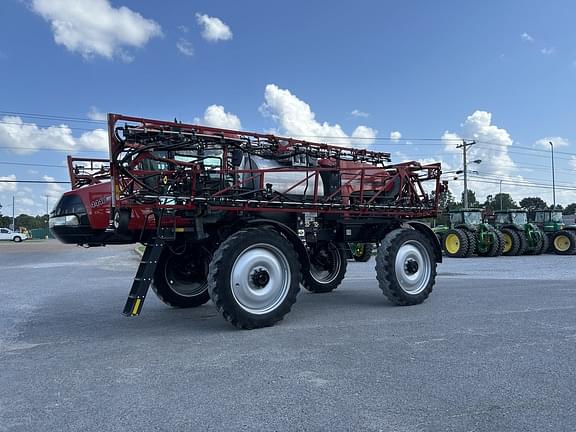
(260, 278)
(411, 266)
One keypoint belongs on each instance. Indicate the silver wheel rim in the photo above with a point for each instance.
(260, 278)
(413, 267)
(179, 280)
(327, 276)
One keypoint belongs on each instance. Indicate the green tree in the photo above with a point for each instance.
(502, 201)
(472, 200)
(533, 203)
(570, 209)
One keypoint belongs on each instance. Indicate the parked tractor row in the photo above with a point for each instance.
(510, 233)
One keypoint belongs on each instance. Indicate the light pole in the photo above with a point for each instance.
(500, 194)
(553, 182)
(47, 218)
(13, 218)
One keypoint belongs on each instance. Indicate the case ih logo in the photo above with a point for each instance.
(100, 201)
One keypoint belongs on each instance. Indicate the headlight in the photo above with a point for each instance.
(70, 220)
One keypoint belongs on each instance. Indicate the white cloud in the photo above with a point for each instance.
(364, 136)
(296, 118)
(183, 28)
(526, 37)
(94, 114)
(395, 136)
(5, 186)
(357, 113)
(216, 116)
(572, 162)
(25, 138)
(185, 47)
(544, 143)
(213, 29)
(548, 50)
(53, 190)
(95, 27)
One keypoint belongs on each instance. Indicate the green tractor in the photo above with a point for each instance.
(562, 238)
(468, 235)
(520, 236)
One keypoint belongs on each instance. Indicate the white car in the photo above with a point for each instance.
(7, 234)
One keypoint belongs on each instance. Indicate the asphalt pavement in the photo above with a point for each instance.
(492, 349)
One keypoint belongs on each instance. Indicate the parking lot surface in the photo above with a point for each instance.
(492, 349)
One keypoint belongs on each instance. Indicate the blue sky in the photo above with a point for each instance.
(502, 72)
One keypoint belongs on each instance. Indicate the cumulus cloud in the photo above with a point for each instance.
(573, 162)
(544, 143)
(526, 37)
(548, 50)
(364, 136)
(493, 142)
(296, 118)
(96, 28)
(358, 113)
(216, 116)
(185, 47)
(94, 114)
(25, 138)
(395, 136)
(213, 29)
(53, 190)
(9, 186)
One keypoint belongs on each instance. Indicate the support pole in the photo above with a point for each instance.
(553, 180)
(464, 146)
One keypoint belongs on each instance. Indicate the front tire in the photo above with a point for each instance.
(180, 279)
(564, 243)
(406, 267)
(456, 243)
(327, 268)
(511, 242)
(253, 278)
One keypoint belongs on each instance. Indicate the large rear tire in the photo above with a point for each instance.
(545, 243)
(406, 267)
(471, 243)
(564, 243)
(456, 243)
(511, 242)
(253, 278)
(180, 279)
(327, 268)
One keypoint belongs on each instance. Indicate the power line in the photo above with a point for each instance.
(35, 181)
(32, 164)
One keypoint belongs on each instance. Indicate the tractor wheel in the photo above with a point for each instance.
(253, 278)
(538, 244)
(362, 252)
(523, 243)
(471, 243)
(327, 268)
(545, 244)
(180, 278)
(496, 245)
(406, 267)
(456, 243)
(564, 243)
(511, 242)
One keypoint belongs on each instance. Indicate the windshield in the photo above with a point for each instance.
(502, 218)
(557, 216)
(542, 217)
(456, 218)
(519, 218)
(474, 218)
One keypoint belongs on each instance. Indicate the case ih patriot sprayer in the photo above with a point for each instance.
(244, 218)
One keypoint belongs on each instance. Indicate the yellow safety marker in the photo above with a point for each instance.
(136, 306)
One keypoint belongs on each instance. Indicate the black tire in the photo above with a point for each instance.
(471, 243)
(402, 254)
(536, 249)
(17, 239)
(523, 248)
(327, 268)
(180, 279)
(511, 242)
(545, 243)
(564, 243)
(365, 253)
(241, 266)
(121, 220)
(497, 245)
(455, 243)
